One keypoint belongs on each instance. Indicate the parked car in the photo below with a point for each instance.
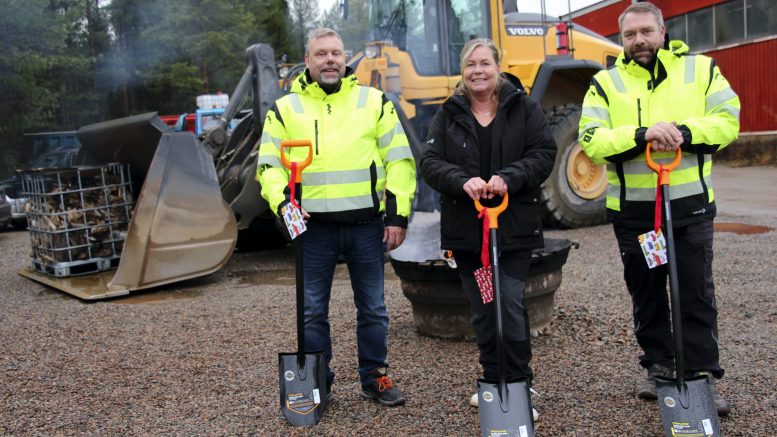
(5, 210)
(12, 186)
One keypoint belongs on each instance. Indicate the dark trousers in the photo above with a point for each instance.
(650, 298)
(362, 247)
(513, 267)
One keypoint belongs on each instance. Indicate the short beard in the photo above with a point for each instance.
(649, 63)
(330, 88)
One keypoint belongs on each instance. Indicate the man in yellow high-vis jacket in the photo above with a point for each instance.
(357, 195)
(657, 91)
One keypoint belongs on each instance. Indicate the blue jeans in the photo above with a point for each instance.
(362, 247)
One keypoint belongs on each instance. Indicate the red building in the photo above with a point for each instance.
(741, 35)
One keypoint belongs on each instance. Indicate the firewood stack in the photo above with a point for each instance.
(78, 217)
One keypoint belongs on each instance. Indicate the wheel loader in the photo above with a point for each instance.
(194, 197)
(198, 199)
(414, 58)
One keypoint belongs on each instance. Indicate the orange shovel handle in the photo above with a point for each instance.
(658, 168)
(287, 144)
(494, 212)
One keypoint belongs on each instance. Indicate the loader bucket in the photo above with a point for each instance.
(181, 226)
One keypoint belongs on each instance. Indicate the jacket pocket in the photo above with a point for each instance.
(458, 223)
(522, 218)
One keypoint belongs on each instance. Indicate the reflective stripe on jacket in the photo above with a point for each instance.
(362, 163)
(626, 99)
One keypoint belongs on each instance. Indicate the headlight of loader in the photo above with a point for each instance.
(371, 51)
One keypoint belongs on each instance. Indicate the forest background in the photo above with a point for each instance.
(68, 63)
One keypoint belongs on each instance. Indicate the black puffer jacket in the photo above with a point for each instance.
(522, 153)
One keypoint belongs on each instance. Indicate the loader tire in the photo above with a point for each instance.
(574, 194)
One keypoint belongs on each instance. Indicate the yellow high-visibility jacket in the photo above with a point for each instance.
(625, 99)
(362, 164)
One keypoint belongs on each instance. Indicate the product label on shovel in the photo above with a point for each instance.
(303, 403)
(503, 432)
(654, 248)
(292, 217)
(686, 429)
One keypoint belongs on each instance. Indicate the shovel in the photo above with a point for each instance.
(687, 405)
(504, 408)
(302, 374)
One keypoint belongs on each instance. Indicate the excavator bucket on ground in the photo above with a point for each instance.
(181, 227)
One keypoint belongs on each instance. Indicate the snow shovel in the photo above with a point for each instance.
(504, 407)
(687, 405)
(302, 374)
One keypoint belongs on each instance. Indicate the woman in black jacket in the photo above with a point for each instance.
(486, 140)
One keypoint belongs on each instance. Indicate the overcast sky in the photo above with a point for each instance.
(554, 8)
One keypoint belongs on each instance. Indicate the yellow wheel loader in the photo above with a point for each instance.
(414, 58)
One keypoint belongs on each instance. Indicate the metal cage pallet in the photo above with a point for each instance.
(78, 217)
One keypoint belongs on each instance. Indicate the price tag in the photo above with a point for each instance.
(292, 217)
(654, 248)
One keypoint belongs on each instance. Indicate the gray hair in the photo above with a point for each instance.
(466, 52)
(642, 8)
(320, 33)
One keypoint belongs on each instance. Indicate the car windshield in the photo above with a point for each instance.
(415, 26)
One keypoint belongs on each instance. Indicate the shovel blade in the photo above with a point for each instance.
(507, 413)
(302, 388)
(689, 411)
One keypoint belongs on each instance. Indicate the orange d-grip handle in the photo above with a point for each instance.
(658, 168)
(287, 144)
(494, 212)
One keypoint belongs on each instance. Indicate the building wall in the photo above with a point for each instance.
(670, 8)
(603, 21)
(748, 66)
(749, 69)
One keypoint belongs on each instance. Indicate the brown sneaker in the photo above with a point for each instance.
(646, 389)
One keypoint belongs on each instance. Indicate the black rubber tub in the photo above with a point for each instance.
(439, 306)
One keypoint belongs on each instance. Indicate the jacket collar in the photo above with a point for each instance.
(303, 84)
(459, 103)
(671, 50)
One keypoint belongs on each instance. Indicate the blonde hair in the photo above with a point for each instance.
(319, 33)
(466, 52)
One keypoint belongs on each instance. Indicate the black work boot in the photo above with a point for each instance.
(382, 389)
(646, 389)
(721, 405)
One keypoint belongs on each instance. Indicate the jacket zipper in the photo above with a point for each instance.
(639, 113)
(315, 126)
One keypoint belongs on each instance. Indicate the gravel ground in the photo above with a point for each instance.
(200, 357)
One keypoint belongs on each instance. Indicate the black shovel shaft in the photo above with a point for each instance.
(674, 292)
(500, 357)
(300, 282)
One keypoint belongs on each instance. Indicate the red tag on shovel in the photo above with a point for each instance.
(484, 276)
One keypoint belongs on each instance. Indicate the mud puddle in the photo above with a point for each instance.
(741, 228)
(272, 277)
(158, 296)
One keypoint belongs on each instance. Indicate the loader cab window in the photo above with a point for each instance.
(467, 20)
(431, 31)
